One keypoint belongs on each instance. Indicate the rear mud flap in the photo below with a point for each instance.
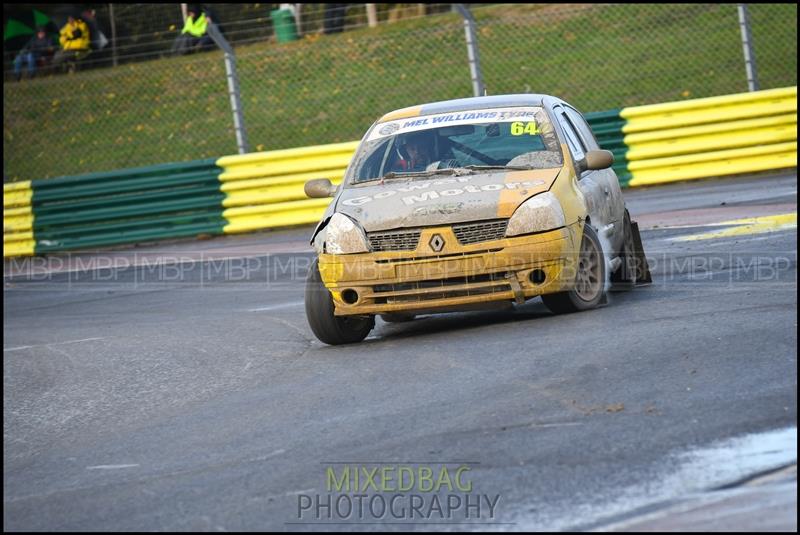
(643, 276)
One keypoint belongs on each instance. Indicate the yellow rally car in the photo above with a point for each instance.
(469, 203)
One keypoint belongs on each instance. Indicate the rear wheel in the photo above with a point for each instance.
(590, 278)
(326, 326)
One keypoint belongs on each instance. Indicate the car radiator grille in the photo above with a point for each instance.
(427, 290)
(478, 232)
(395, 240)
(467, 233)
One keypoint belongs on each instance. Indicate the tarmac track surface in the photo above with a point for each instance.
(193, 396)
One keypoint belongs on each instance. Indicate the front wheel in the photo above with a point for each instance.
(329, 328)
(590, 278)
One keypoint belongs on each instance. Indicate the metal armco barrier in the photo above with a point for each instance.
(101, 209)
(265, 189)
(711, 137)
(652, 144)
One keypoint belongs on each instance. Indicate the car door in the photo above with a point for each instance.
(601, 187)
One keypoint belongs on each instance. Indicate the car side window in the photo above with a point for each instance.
(574, 141)
(583, 129)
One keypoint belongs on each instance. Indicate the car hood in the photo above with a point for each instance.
(442, 200)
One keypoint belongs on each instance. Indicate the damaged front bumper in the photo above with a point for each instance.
(454, 278)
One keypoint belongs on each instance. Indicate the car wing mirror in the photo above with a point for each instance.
(598, 159)
(319, 188)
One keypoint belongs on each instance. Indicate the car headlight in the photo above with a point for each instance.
(344, 236)
(537, 214)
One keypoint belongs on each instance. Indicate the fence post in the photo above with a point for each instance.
(233, 87)
(747, 45)
(113, 34)
(472, 49)
(372, 15)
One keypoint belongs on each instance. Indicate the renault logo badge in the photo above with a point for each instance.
(436, 243)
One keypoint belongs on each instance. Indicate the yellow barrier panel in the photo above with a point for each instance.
(19, 248)
(713, 128)
(22, 235)
(651, 123)
(710, 164)
(287, 167)
(18, 219)
(17, 194)
(296, 178)
(267, 194)
(714, 136)
(674, 109)
(731, 139)
(288, 161)
(283, 214)
(17, 223)
(265, 189)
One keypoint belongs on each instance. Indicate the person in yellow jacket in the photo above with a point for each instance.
(74, 39)
(193, 36)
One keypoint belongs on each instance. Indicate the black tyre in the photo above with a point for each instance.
(590, 278)
(624, 278)
(397, 317)
(333, 330)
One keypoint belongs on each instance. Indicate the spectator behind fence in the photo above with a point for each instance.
(74, 39)
(193, 36)
(39, 46)
(333, 19)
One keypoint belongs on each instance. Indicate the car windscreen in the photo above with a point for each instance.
(499, 138)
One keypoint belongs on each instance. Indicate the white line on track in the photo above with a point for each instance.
(277, 306)
(52, 344)
(269, 455)
(111, 466)
(561, 424)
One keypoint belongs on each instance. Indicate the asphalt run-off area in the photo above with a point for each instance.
(177, 386)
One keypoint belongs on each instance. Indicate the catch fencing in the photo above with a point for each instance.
(327, 88)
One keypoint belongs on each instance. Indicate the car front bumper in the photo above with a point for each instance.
(456, 277)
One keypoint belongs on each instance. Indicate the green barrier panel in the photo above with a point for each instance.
(607, 128)
(166, 169)
(129, 205)
(103, 214)
(79, 207)
(157, 182)
(193, 217)
(129, 237)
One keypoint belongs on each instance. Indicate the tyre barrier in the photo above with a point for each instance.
(653, 144)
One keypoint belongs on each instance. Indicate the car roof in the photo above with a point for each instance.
(461, 104)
